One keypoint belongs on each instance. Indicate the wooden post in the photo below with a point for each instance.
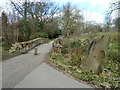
(28, 45)
(36, 51)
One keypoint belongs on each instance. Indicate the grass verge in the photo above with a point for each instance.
(69, 62)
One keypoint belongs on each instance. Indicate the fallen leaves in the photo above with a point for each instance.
(68, 61)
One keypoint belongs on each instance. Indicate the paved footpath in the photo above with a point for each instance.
(45, 76)
(29, 71)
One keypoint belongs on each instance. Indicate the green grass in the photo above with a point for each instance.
(58, 58)
(6, 55)
(7, 48)
(0, 50)
(114, 46)
(85, 36)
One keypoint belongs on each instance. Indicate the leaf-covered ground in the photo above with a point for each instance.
(74, 50)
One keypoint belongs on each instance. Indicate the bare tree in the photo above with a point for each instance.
(41, 12)
(115, 6)
(21, 7)
(36, 15)
(5, 28)
(71, 19)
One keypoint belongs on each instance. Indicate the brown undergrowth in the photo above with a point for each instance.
(75, 50)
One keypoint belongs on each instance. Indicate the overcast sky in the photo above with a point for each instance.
(93, 10)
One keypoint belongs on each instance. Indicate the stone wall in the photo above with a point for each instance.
(57, 45)
(23, 47)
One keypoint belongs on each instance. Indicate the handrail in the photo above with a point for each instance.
(25, 46)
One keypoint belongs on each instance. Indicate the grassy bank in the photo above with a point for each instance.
(6, 55)
(75, 49)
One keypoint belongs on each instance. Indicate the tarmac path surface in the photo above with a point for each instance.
(29, 71)
(15, 69)
(45, 76)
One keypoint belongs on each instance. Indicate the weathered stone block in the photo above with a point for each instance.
(96, 54)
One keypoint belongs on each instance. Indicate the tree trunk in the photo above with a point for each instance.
(25, 22)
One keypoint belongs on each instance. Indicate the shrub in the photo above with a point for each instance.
(6, 48)
(43, 34)
(76, 43)
(65, 49)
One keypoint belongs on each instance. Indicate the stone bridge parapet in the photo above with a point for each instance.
(23, 47)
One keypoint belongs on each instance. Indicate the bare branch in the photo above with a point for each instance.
(17, 8)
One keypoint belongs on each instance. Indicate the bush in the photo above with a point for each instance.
(6, 48)
(65, 49)
(43, 34)
(76, 43)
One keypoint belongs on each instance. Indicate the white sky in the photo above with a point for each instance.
(91, 15)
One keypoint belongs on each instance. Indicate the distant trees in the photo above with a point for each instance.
(27, 32)
(51, 28)
(94, 28)
(34, 18)
(42, 15)
(30, 20)
(108, 23)
(116, 22)
(114, 8)
(9, 28)
(71, 20)
(21, 8)
(5, 27)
